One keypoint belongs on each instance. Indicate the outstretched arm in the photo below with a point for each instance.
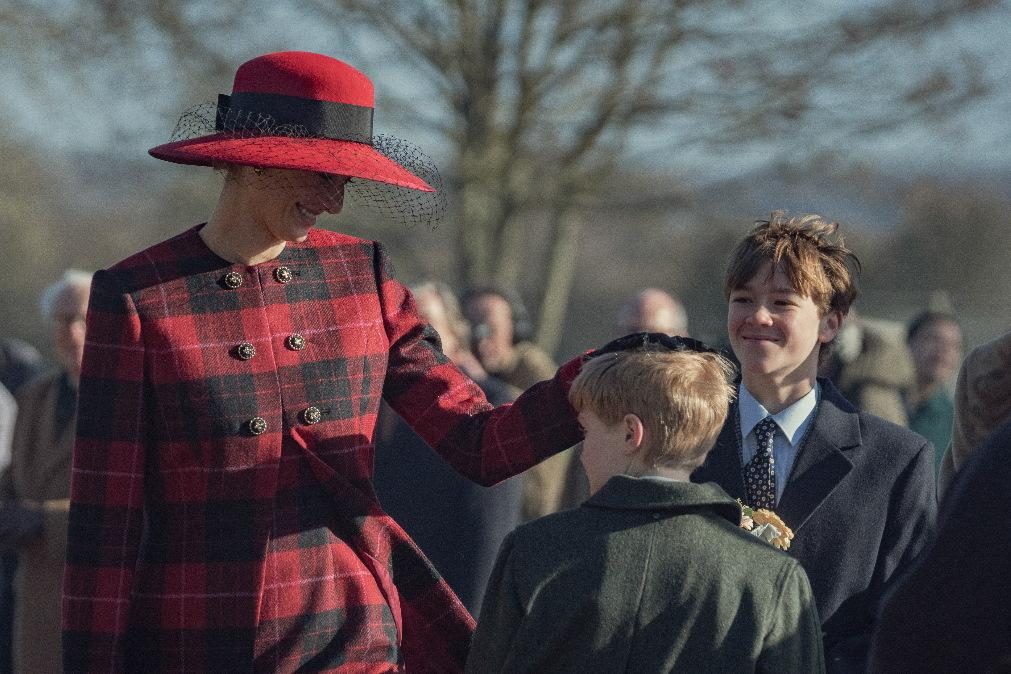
(450, 412)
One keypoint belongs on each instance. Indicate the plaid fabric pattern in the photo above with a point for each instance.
(198, 544)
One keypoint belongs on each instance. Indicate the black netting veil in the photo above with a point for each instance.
(390, 176)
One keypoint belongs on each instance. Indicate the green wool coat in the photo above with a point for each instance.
(648, 575)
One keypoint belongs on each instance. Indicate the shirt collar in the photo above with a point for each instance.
(789, 419)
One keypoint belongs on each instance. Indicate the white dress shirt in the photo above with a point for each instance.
(793, 422)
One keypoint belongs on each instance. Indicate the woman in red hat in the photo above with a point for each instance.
(222, 515)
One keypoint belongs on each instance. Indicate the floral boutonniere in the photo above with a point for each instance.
(766, 525)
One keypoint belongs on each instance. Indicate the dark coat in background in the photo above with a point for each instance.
(647, 576)
(951, 612)
(35, 491)
(861, 501)
(458, 524)
(19, 362)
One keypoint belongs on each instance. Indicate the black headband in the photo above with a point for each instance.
(653, 341)
(319, 119)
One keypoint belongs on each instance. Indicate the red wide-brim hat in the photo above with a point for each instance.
(291, 110)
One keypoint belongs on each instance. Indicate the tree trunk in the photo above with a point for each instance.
(560, 272)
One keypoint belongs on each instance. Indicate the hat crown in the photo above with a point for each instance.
(305, 75)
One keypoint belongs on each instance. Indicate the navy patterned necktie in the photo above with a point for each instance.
(760, 473)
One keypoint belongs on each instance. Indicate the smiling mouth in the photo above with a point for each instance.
(305, 211)
(758, 338)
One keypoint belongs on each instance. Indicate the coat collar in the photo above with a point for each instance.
(821, 462)
(623, 492)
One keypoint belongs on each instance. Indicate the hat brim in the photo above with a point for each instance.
(320, 155)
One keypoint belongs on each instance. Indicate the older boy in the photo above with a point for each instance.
(652, 573)
(857, 491)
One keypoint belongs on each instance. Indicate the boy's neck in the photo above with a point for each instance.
(776, 394)
(678, 473)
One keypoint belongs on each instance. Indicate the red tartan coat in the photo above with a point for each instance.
(222, 515)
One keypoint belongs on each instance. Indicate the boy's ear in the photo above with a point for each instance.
(829, 326)
(635, 433)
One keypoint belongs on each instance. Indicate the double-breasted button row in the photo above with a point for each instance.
(233, 279)
(310, 415)
(246, 351)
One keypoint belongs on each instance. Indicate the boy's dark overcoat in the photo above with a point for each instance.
(861, 502)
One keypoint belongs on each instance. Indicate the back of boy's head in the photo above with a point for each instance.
(681, 397)
(809, 250)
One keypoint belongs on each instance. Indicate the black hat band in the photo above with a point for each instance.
(318, 119)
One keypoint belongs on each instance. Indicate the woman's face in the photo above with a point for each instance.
(285, 202)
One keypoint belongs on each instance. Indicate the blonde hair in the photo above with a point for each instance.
(682, 398)
(811, 254)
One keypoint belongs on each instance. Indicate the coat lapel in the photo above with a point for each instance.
(821, 463)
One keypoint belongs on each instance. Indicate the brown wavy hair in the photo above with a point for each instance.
(810, 252)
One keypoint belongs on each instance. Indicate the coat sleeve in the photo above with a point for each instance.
(450, 412)
(501, 615)
(107, 484)
(794, 643)
(912, 517)
(912, 514)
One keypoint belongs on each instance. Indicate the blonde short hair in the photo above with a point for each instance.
(682, 398)
(811, 253)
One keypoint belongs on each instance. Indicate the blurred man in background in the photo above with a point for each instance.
(653, 310)
(500, 336)
(935, 343)
(871, 366)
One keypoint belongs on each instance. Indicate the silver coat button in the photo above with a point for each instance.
(283, 275)
(257, 425)
(245, 351)
(233, 280)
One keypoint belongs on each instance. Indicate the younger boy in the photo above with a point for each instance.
(857, 491)
(652, 573)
